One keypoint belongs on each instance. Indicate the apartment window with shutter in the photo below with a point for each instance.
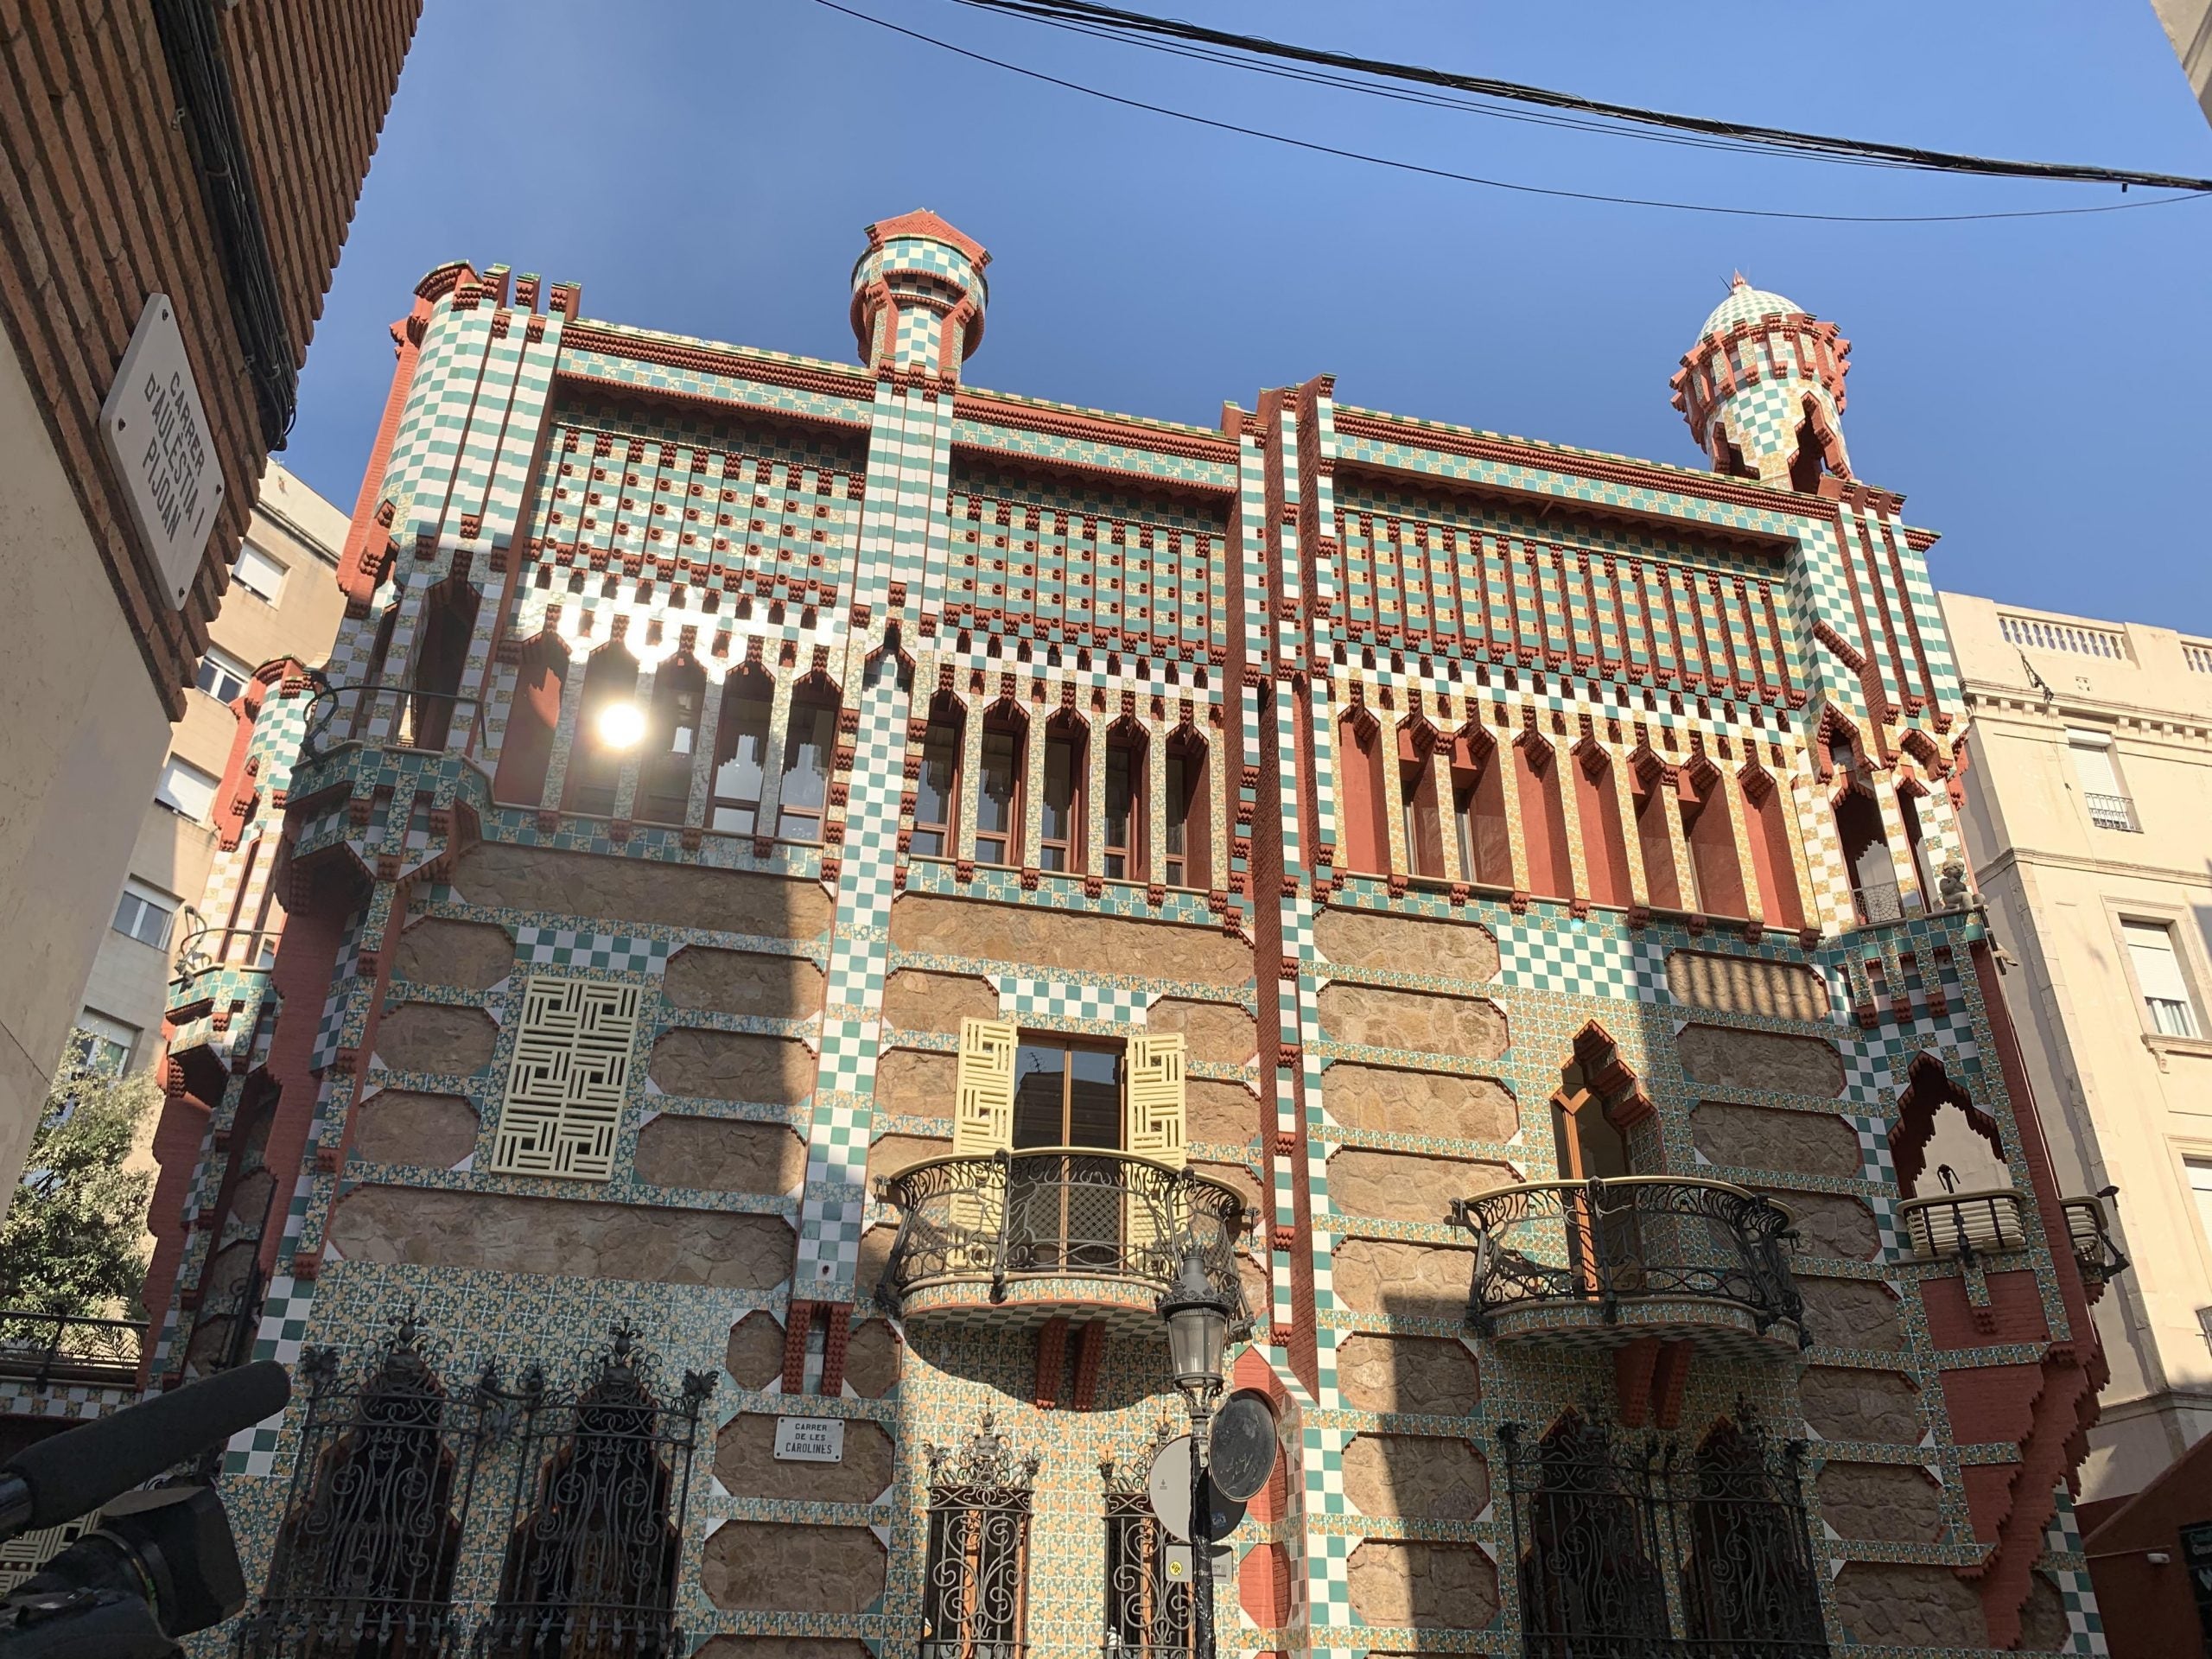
(221, 676)
(100, 1043)
(2158, 976)
(186, 791)
(2200, 1188)
(257, 573)
(2102, 789)
(145, 914)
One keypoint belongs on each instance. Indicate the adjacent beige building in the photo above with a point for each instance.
(283, 602)
(2089, 822)
(2188, 24)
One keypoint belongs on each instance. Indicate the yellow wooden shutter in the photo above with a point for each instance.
(1154, 1123)
(982, 1108)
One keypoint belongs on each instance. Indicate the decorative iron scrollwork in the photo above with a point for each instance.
(1149, 1611)
(976, 1582)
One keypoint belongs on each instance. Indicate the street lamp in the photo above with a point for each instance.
(1197, 1317)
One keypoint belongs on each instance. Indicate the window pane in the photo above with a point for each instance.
(2200, 1187)
(221, 676)
(2157, 973)
(104, 1044)
(257, 573)
(1057, 821)
(1095, 1097)
(1039, 1095)
(145, 914)
(806, 760)
(936, 795)
(187, 789)
(995, 798)
(744, 741)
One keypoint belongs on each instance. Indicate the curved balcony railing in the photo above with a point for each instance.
(2089, 1230)
(207, 947)
(1604, 1246)
(1964, 1224)
(338, 714)
(1059, 1213)
(51, 1348)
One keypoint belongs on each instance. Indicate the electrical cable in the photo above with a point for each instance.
(1141, 29)
(2190, 186)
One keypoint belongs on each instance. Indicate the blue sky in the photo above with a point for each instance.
(2036, 388)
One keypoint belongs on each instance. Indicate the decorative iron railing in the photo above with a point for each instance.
(2089, 1230)
(1151, 1611)
(1648, 1548)
(370, 1550)
(48, 1347)
(1061, 1212)
(976, 1579)
(2111, 811)
(414, 719)
(1964, 1224)
(1603, 1243)
(208, 947)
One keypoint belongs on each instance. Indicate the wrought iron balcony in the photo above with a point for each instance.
(59, 1348)
(1026, 1235)
(2112, 811)
(1602, 1262)
(1964, 1224)
(2090, 1231)
(388, 713)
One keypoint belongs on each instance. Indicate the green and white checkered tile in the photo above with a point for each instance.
(1573, 961)
(2068, 1569)
(1024, 998)
(829, 1243)
(836, 1148)
(327, 1030)
(568, 947)
(848, 1054)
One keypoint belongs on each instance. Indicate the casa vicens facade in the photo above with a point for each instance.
(814, 894)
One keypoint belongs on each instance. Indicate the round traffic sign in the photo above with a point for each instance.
(1169, 1489)
(1240, 1453)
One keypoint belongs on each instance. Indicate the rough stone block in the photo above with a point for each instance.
(1368, 938)
(431, 1037)
(1759, 1137)
(1851, 1313)
(1849, 1405)
(1214, 1032)
(2043, 1620)
(1387, 1275)
(743, 982)
(756, 1350)
(1219, 1113)
(641, 890)
(1425, 1587)
(924, 925)
(1419, 1477)
(1405, 1187)
(894, 1153)
(1259, 1293)
(1430, 1375)
(438, 950)
(1887, 1603)
(1788, 990)
(790, 1568)
(1727, 1059)
(872, 1359)
(720, 1154)
(733, 1065)
(569, 1237)
(398, 1126)
(1396, 1101)
(1427, 1022)
(744, 1461)
(1834, 1224)
(917, 1000)
(876, 1255)
(913, 1083)
(1889, 1502)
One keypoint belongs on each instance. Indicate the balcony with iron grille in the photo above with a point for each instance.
(63, 1351)
(1014, 1239)
(1603, 1263)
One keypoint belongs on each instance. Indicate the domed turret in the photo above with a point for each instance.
(1762, 390)
(918, 295)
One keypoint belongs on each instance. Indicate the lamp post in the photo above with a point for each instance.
(1197, 1317)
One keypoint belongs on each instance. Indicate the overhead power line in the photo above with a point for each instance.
(1403, 166)
(1141, 28)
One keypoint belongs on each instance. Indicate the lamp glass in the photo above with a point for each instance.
(1198, 1328)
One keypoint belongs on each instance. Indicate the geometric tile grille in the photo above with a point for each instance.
(565, 1088)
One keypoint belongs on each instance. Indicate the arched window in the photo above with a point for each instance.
(810, 750)
(1543, 818)
(1747, 1583)
(998, 786)
(1419, 820)
(441, 657)
(1128, 804)
(937, 786)
(976, 1576)
(741, 752)
(365, 698)
(1710, 838)
(1916, 841)
(1766, 823)
(1360, 743)
(1066, 800)
(1655, 811)
(1865, 846)
(1588, 1580)
(1479, 810)
(526, 747)
(1604, 844)
(672, 737)
(607, 730)
(1186, 797)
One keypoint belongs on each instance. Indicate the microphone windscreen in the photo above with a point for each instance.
(73, 1473)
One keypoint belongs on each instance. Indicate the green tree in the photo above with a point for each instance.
(72, 1242)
